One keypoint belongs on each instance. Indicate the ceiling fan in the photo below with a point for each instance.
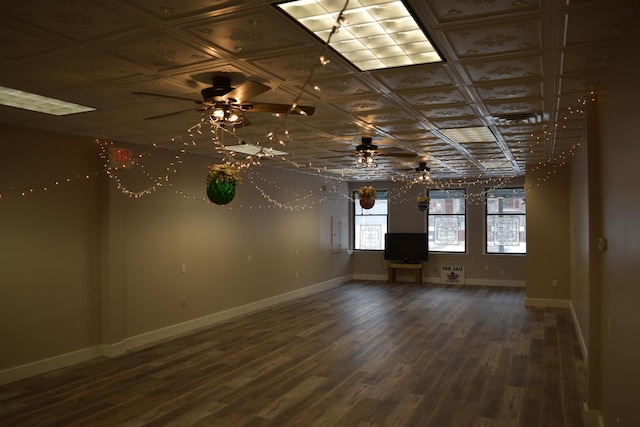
(367, 147)
(366, 151)
(424, 174)
(228, 104)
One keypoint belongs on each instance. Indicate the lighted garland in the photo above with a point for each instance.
(551, 166)
(26, 191)
(299, 201)
(279, 135)
(158, 181)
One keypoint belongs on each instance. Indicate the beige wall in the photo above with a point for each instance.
(619, 154)
(84, 266)
(160, 233)
(480, 268)
(548, 247)
(49, 246)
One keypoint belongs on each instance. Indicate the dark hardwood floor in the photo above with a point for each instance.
(362, 354)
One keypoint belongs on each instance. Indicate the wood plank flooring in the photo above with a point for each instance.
(362, 354)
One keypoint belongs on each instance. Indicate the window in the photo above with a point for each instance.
(447, 221)
(506, 221)
(370, 225)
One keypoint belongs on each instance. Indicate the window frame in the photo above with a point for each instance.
(431, 214)
(488, 191)
(381, 194)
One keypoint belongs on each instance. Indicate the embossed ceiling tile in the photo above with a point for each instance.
(242, 35)
(519, 129)
(19, 44)
(345, 131)
(456, 123)
(363, 104)
(511, 37)
(518, 67)
(515, 90)
(420, 136)
(447, 112)
(183, 8)
(403, 126)
(518, 142)
(436, 97)
(79, 21)
(381, 118)
(579, 60)
(94, 67)
(414, 77)
(583, 83)
(298, 66)
(448, 11)
(346, 85)
(32, 79)
(159, 51)
(602, 24)
(514, 107)
(573, 103)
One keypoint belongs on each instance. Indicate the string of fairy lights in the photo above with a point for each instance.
(332, 188)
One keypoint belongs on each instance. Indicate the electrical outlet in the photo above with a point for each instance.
(554, 283)
(183, 302)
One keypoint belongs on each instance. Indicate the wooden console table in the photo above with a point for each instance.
(393, 266)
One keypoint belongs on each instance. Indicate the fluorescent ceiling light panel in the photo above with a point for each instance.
(252, 150)
(42, 104)
(377, 34)
(465, 135)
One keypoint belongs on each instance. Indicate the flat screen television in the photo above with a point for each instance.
(410, 248)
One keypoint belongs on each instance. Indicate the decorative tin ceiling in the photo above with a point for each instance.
(520, 68)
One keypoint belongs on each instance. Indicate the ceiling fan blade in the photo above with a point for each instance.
(397, 154)
(161, 116)
(262, 107)
(304, 110)
(167, 96)
(245, 92)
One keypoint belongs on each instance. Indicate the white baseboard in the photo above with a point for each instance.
(484, 282)
(211, 319)
(591, 417)
(546, 302)
(436, 279)
(373, 277)
(120, 348)
(50, 364)
(583, 345)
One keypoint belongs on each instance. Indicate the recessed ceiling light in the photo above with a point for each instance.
(253, 150)
(373, 34)
(473, 134)
(42, 104)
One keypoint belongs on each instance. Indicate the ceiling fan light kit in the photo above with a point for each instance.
(502, 93)
(227, 104)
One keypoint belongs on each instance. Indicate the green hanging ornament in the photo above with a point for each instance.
(221, 183)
